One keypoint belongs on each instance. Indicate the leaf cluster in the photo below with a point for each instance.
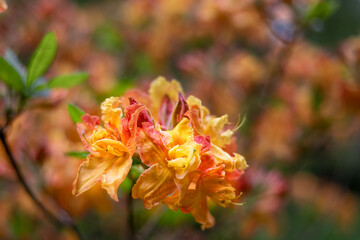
(30, 82)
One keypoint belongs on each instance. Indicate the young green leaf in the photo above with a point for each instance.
(13, 60)
(10, 76)
(75, 112)
(81, 155)
(42, 58)
(68, 81)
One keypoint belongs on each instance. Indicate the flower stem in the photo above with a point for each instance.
(130, 217)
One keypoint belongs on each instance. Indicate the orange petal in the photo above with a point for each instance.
(154, 185)
(86, 128)
(135, 114)
(218, 189)
(90, 172)
(189, 200)
(201, 213)
(180, 199)
(231, 163)
(151, 146)
(110, 146)
(116, 174)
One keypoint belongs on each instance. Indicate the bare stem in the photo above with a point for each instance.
(130, 217)
(66, 220)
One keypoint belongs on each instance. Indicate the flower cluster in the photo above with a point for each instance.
(179, 142)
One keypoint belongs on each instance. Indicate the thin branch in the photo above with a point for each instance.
(60, 222)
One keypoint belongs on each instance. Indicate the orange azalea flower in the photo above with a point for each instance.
(111, 147)
(182, 144)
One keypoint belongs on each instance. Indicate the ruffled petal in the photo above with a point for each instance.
(154, 185)
(89, 173)
(85, 129)
(151, 146)
(109, 164)
(214, 127)
(116, 174)
(181, 134)
(218, 189)
(136, 114)
(185, 158)
(110, 146)
(160, 88)
(201, 213)
(231, 163)
(112, 113)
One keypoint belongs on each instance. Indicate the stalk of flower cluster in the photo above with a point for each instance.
(130, 215)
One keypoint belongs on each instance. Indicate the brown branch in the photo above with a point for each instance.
(66, 220)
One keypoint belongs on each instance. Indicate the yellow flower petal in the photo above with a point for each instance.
(231, 163)
(110, 146)
(182, 133)
(185, 158)
(160, 88)
(214, 128)
(109, 164)
(112, 113)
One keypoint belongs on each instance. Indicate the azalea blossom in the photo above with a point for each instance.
(111, 147)
(181, 145)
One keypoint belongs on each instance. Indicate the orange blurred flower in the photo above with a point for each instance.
(3, 6)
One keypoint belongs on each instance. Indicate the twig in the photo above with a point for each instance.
(60, 222)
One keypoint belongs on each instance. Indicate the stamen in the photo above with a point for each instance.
(239, 124)
(238, 204)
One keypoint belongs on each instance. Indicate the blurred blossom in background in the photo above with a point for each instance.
(292, 67)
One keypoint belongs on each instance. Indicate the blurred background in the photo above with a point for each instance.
(292, 67)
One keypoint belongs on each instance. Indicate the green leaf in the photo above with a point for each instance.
(320, 10)
(75, 113)
(42, 58)
(13, 60)
(10, 76)
(81, 155)
(68, 81)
